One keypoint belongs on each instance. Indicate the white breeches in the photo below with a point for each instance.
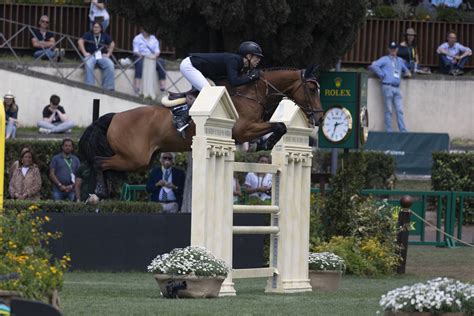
(194, 76)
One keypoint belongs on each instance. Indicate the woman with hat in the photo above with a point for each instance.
(11, 114)
(407, 50)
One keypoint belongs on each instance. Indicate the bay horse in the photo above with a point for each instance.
(128, 141)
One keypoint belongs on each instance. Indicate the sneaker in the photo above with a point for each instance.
(459, 72)
(43, 130)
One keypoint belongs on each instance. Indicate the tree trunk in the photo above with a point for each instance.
(188, 186)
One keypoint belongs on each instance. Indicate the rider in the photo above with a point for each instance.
(181, 118)
(223, 65)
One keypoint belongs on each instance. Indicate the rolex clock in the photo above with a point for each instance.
(337, 124)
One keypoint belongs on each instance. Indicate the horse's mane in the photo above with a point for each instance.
(279, 69)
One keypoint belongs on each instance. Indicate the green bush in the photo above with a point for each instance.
(385, 12)
(446, 14)
(74, 207)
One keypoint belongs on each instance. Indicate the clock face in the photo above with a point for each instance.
(337, 124)
(364, 125)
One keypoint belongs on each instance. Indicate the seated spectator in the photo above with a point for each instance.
(97, 47)
(62, 171)
(25, 182)
(85, 182)
(43, 41)
(453, 56)
(98, 13)
(259, 185)
(146, 45)
(16, 163)
(11, 115)
(407, 50)
(166, 184)
(55, 119)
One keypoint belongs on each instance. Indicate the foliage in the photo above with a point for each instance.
(447, 14)
(189, 261)
(22, 241)
(384, 12)
(437, 296)
(423, 13)
(74, 207)
(455, 172)
(325, 29)
(403, 10)
(326, 261)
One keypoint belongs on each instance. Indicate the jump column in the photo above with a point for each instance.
(213, 152)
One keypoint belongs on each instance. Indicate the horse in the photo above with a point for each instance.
(128, 141)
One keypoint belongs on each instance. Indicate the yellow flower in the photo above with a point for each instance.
(33, 207)
(53, 270)
(46, 218)
(11, 244)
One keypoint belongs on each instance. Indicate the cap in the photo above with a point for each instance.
(410, 31)
(392, 45)
(9, 95)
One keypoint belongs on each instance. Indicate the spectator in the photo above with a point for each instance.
(55, 119)
(453, 56)
(407, 50)
(166, 184)
(236, 190)
(389, 69)
(62, 170)
(97, 48)
(25, 182)
(16, 163)
(259, 185)
(85, 182)
(98, 13)
(43, 41)
(11, 115)
(146, 45)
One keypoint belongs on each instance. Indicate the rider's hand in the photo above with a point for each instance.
(161, 183)
(254, 74)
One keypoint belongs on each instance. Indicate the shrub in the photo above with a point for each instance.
(447, 14)
(22, 241)
(385, 12)
(403, 10)
(73, 207)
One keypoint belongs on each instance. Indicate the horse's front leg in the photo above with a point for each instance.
(244, 132)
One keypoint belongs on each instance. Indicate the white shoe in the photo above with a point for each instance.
(43, 130)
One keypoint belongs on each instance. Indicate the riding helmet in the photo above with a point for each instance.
(249, 47)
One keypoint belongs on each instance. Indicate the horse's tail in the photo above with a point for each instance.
(93, 142)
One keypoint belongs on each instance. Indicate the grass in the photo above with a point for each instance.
(92, 293)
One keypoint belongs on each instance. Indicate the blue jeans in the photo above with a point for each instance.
(56, 128)
(10, 129)
(160, 68)
(45, 53)
(59, 195)
(108, 71)
(446, 65)
(391, 97)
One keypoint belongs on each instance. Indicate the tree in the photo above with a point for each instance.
(291, 32)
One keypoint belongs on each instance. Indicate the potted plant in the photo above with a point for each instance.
(325, 270)
(440, 296)
(191, 272)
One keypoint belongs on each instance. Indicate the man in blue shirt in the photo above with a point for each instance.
(62, 170)
(390, 69)
(97, 48)
(453, 56)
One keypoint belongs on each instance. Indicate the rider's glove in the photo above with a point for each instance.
(254, 74)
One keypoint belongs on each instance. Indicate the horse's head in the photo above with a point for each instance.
(302, 87)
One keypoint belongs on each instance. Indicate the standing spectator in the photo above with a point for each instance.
(11, 115)
(97, 47)
(98, 13)
(85, 182)
(43, 41)
(259, 185)
(453, 56)
(62, 170)
(389, 69)
(166, 184)
(25, 182)
(408, 50)
(17, 162)
(55, 119)
(146, 45)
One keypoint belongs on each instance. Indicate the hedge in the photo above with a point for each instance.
(79, 207)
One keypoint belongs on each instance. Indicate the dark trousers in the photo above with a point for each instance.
(446, 65)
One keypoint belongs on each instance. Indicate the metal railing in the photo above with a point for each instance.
(63, 40)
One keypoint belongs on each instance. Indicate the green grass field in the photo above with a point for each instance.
(88, 293)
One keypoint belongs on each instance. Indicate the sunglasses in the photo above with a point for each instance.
(47, 22)
(167, 158)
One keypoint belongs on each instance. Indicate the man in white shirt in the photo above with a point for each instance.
(453, 56)
(259, 185)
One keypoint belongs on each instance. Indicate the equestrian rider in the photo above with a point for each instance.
(199, 66)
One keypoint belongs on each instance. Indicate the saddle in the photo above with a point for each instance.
(176, 98)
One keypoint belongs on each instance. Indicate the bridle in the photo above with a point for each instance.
(277, 92)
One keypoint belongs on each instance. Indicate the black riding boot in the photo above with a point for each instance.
(181, 118)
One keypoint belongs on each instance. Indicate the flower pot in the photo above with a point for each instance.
(325, 280)
(7, 296)
(189, 286)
